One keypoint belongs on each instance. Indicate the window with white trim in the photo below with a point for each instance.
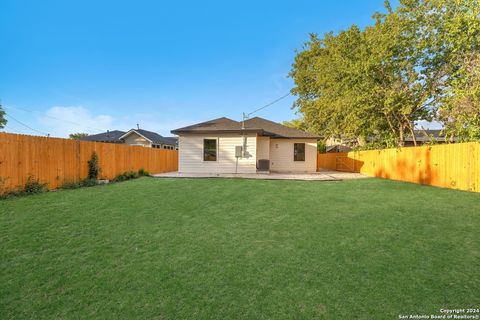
(299, 152)
(209, 149)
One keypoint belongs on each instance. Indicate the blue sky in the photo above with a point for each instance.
(87, 66)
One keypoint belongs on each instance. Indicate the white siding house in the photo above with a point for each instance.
(191, 154)
(227, 146)
(282, 160)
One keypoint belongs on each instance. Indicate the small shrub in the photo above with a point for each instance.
(143, 172)
(80, 184)
(93, 166)
(132, 175)
(321, 147)
(34, 186)
(126, 176)
(89, 182)
(2, 187)
(71, 185)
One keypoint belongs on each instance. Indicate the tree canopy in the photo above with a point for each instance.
(419, 61)
(77, 135)
(3, 121)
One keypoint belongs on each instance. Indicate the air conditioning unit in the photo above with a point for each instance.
(263, 165)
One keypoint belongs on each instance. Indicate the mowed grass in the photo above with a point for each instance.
(239, 249)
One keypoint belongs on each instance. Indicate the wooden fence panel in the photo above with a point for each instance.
(328, 161)
(455, 166)
(55, 161)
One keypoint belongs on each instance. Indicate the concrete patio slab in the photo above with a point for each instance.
(317, 176)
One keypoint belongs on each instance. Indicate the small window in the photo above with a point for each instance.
(299, 152)
(209, 150)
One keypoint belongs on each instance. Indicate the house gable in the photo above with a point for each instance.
(135, 139)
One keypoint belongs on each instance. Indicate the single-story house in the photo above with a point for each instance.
(136, 137)
(337, 148)
(424, 136)
(427, 136)
(227, 146)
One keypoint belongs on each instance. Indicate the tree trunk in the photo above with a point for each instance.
(401, 139)
(412, 132)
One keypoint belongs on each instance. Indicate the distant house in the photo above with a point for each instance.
(427, 136)
(227, 146)
(421, 136)
(136, 137)
(337, 148)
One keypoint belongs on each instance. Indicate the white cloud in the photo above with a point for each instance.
(61, 121)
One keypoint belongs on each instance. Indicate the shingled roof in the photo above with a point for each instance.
(109, 136)
(116, 136)
(153, 136)
(256, 125)
(277, 130)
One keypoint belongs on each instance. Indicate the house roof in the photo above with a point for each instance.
(109, 136)
(257, 125)
(338, 148)
(427, 135)
(216, 125)
(152, 136)
(117, 136)
(277, 130)
(170, 140)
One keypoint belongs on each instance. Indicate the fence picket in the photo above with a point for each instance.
(55, 161)
(453, 166)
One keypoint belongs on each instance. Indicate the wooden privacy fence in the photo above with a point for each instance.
(455, 166)
(55, 161)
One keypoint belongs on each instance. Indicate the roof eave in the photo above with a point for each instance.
(179, 131)
(278, 136)
(133, 130)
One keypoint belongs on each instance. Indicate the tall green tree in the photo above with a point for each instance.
(377, 82)
(78, 135)
(3, 121)
(295, 123)
(455, 37)
(460, 111)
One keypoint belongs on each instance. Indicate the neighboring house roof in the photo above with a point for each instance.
(151, 136)
(257, 125)
(338, 148)
(171, 140)
(117, 136)
(109, 136)
(427, 135)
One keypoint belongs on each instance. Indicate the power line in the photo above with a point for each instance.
(58, 119)
(11, 129)
(25, 125)
(267, 105)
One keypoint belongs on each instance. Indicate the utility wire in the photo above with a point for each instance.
(58, 119)
(9, 128)
(27, 126)
(268, 105)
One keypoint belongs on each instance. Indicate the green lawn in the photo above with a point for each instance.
(239, 249)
